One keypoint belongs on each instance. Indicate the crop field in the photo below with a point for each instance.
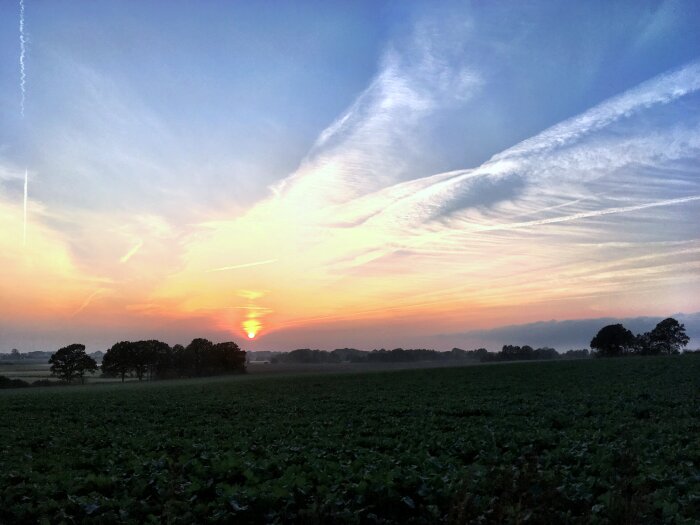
(31, 370)
(592, 441)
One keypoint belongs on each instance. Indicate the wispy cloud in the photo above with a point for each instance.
(592, 214)
(373, 145)
(243, 265)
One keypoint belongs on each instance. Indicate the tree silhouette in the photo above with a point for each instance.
(70, 362)
(668, 337)
(196, 355)
(613, 340)
(118, 360)
(228, 357)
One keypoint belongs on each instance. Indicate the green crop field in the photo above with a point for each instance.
(593, 441)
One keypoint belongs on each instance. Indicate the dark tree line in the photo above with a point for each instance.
(157, 360)
(397, 355)
(667, 338)
(401, 355)
(522, 353)
(614, 340)
(150, 360)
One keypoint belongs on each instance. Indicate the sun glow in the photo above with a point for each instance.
(251, 327)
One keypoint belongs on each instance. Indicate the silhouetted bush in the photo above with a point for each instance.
(45, 382)
(6, 382)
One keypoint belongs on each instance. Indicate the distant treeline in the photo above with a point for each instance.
(157, 360)
(145, 360)
(667, 338)
(40, 355)
(6, 382)
(401, 355)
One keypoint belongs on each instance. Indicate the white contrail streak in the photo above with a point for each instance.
(486, 228)
(586, 214)
(87, 301)
(246, 265)
(128, 255)
(24, 230)
(22, 84)
(22, 53)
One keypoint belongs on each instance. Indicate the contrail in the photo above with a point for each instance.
(246, 265)
(586, 214)
(87, 301)
(22, 53)
(22, 83)
(24, 230)
(128, 255)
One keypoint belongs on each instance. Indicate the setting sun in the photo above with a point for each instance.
(251, 327)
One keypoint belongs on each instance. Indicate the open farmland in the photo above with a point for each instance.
(595, 441)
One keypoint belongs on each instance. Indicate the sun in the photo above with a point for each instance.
(251, 327)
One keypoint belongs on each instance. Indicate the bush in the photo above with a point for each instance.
(6, 382)
(45, 382)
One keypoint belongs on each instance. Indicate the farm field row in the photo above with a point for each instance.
(591, 441)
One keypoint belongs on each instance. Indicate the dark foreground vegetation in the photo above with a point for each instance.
(578, 441)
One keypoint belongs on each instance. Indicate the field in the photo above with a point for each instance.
(33, 370)
(592, 441)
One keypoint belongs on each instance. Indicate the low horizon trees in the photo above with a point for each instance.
(70, 362)
(156, 359)
(117, 361)
(667, 338)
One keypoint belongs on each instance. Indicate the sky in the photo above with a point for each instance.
(347, 174)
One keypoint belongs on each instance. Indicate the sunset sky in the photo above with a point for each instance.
(332, 174)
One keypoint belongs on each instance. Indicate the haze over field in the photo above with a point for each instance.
(364, 174)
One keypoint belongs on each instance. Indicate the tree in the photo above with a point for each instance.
(197, 355)
(162, 360)
(643, 344)
(118, 361)
(70, 362)
(229, 357)
(141, 357)
(668, 337)
(613, 340)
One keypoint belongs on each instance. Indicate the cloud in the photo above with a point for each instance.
(588, 217)
(566, 334)
(373, 144)
(504, 235)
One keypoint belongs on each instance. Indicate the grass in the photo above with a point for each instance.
(594, 441)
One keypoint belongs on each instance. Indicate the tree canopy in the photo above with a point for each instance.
(667, 338)
(156, 359)
(613, 340)
(72, 362)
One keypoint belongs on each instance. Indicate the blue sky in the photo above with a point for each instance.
(393, 134)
